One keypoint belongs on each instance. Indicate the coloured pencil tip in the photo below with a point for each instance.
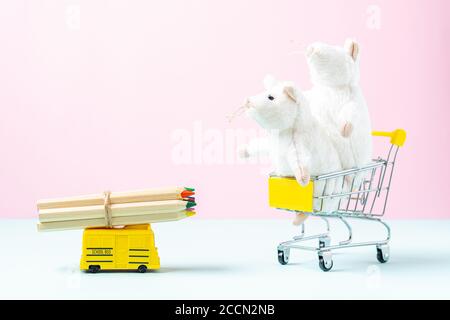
(189, 189)
(190, 204)
(190, 213)
(187, 193)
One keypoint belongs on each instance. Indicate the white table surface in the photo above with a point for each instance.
(230, 259)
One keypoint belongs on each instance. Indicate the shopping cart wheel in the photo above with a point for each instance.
(325, 261)
(283, 256)
(383, 253)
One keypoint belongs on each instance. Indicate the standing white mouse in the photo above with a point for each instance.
(337, 101)
(298, 145)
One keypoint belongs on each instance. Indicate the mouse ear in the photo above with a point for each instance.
(269, 82)
(290, 92)
(352, 48)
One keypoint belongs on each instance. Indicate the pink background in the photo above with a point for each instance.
(93, 108)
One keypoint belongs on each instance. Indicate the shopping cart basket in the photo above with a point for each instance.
(366, 199)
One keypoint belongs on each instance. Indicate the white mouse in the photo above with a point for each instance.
(337, 101)
(298, 145)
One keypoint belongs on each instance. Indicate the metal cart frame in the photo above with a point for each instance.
(357, 202)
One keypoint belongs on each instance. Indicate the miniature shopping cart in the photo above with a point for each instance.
(366, 199)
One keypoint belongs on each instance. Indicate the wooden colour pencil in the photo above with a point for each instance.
(117, 210)
(116, 221)
(176, 193)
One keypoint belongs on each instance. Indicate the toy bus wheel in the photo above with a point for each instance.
(325, 264)
(383, 254)
(142, 269)
(283, 257)
(94, 269)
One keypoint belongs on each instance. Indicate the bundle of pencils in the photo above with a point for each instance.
(116, 208)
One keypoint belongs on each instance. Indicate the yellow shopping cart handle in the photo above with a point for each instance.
(398, 136)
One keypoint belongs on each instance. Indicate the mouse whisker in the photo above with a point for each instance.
(236, 113)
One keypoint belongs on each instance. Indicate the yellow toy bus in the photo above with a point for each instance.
(128, 248)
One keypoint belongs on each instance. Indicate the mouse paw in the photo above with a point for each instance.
(312, 50)
(305, 180)
(302, 176)
(348, 182)
(299, 219)
(347, 129)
